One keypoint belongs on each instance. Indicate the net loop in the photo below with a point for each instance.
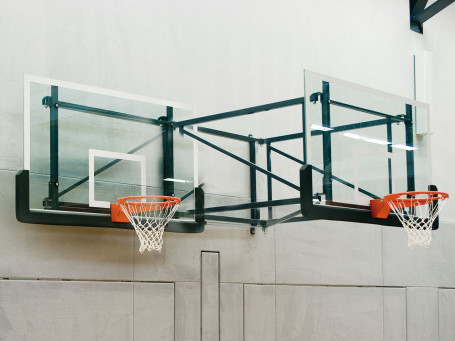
(417, 211)
(149, 215)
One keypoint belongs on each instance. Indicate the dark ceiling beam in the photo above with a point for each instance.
(419, 14)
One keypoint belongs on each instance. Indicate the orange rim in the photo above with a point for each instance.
(117, 214)
(410, 202)
(167, 202)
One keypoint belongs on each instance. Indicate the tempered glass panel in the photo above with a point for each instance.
(363, 143)
(111, 123)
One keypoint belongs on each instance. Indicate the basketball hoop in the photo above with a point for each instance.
(417, 212)
(148, 215)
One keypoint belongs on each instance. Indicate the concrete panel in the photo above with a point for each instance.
(11, 130)
(446, 314)
(328, 252)
(243, 257)
(422, 314)
(395, 314)
(210, 296)
(187, 311)
(329, 313)
(55, 310)
(154, 311)
(259, 307)
(231, 312)
(39, 251)
(419, 266)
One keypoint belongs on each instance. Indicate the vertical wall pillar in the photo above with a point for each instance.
(53, 182)
(326, 142)
(168, 153)
(210, 296)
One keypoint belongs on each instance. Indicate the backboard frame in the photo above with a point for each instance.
(312, 206)
(53, 214)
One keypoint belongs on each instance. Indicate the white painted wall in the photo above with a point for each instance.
(217, 56)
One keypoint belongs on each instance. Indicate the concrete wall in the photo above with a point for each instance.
(301, 281)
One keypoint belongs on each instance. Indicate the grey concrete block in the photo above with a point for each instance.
(259, 305)
(55, 310)
(422, 314)
(329, 313)
(419, 266)
(231, 312)
(39, 251)
(446, 314)
(154, 311)
(210, 296)
(243, 257)
(395, 314)
(328, 252)
(187, 311)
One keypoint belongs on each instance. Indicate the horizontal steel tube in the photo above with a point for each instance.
(250, 205)
(367, 111)
(241, 112)
(108, 113)
(226, 134)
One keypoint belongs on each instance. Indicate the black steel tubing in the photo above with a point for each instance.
(367, 111)
(226, 134)
(53, 152)
(353, 126)
(235, 157)
(108, 113)
(241, 112)
(247, 206)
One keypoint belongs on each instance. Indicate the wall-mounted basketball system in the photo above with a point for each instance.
(356, 144)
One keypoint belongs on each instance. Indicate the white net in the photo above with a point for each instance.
(417, 216)
(149, 216)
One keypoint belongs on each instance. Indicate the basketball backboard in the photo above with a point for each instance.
(362, 143)
(85, 147)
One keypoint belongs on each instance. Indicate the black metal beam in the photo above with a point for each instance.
(107, 113)
(326, 142)
(284, 137)
(235, 157)
(248, 206)
(417, 6)
(241, 112)
(429, 12)
(168, 153)
(397, 118)
(233, 219)
(304, 137)
(53, 152)
(353, 126)
(269, 179)
(282, 219)
(253, 192)
(410, 153)
(226, 134)
(389, 160)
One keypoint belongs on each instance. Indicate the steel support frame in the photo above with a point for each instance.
(419, 14)
(252, 142)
